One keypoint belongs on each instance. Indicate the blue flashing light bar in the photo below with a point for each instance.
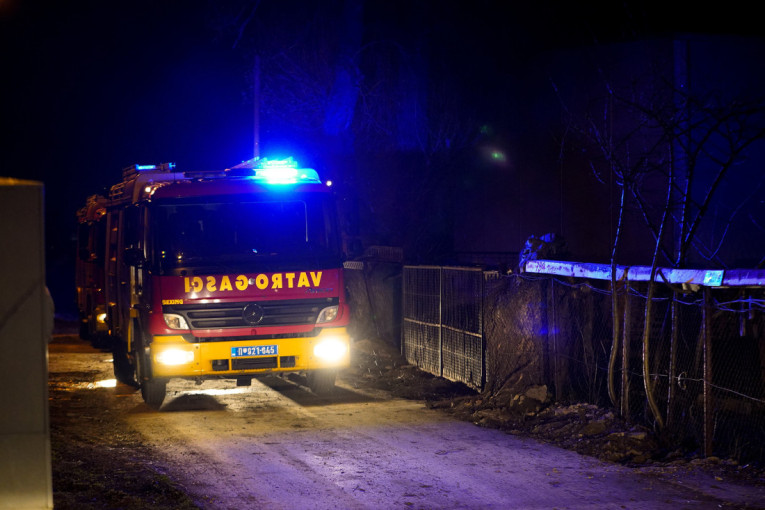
(283, 171)
(277, 175)
(275, 171)
(132, 170)
(162, 167)
(277, 163)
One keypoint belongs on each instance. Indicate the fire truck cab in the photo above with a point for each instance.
(232, 274)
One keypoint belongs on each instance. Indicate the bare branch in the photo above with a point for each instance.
(246, 22)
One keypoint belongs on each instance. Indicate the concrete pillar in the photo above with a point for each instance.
(25, 327)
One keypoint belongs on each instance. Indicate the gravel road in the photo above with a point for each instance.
(276, 445)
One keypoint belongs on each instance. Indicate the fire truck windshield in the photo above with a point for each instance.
(236, 233)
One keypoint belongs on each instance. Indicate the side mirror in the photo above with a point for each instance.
(134, 257)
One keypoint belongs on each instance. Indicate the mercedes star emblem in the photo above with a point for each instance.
(252, 314)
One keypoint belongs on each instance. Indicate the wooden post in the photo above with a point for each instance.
(671, 389)
(625, 400)
(708, 403)
(551, 349)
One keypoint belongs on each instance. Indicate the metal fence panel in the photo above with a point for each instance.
(462, 358)
(462, 293)
(462, 325)
(421, 345)
(421, 331)
(443, 325)
(422, 294)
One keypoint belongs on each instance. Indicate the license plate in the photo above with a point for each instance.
(254, 350)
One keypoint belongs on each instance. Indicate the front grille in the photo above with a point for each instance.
(253, 363)
(277, 336)
(294, 312)
(222, 365)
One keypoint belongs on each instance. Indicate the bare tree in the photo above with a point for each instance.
(655, 132)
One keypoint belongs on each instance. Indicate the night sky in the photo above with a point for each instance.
(91, 87)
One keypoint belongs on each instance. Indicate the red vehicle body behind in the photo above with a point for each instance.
(89, 276)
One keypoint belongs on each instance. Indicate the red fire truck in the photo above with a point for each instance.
(231, 274)
(91, 235)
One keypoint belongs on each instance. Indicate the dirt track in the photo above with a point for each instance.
(276, 445)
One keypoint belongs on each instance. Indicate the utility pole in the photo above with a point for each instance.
(679, 170)
(256, 107)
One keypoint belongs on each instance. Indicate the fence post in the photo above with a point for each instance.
(625, 400)
(671, 390)
(403, 312)
(482, 298)
(440, 321)
(551, 347)
(708, 406)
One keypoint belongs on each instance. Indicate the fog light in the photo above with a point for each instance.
(331, 349)
(174, 357)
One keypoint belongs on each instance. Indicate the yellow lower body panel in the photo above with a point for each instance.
(172, 356)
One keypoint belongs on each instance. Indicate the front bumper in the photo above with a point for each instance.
(172, 356)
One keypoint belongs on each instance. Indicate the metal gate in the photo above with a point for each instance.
(442, 329)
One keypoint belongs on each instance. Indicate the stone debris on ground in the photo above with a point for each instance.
(528, 410)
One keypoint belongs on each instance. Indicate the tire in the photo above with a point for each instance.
(322, 382)
(124, 370)
(84, 329)
(153, 392)
(100, 341)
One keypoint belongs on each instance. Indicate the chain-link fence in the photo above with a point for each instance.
(442, 329)
(701, 360)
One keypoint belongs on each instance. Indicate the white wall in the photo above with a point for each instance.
(25, 327)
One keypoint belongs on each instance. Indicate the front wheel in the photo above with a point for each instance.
(322, 382)
(124, 370)
(153, 392)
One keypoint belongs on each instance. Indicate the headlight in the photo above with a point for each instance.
(331, 349)
(101, 317)
(175, 357)
(175, 321)
(328, 314)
